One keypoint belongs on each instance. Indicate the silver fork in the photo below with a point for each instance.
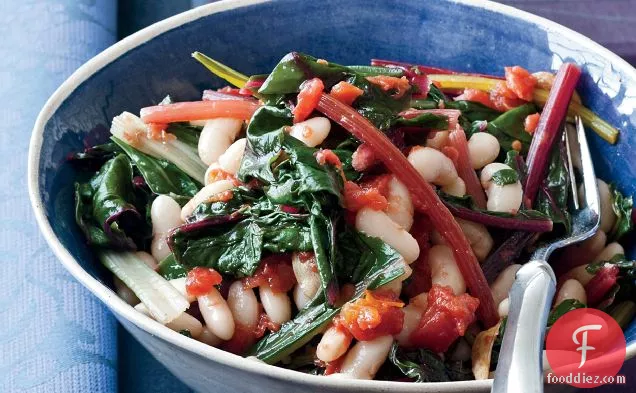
(520, 366)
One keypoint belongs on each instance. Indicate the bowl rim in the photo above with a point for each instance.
(118, 306)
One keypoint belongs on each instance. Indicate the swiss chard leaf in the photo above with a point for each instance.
(323, 237)
(473, 111)
(161, 176)
(294, 68)
(509, 126)
(105, 207)
(622, 207)
(563, 308)
(92, 158)
(425, 366)
(236, 248)
(170, 269)
(553, 199)
(425, 120)
(505, 176)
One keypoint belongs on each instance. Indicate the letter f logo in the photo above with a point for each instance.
(584, 347)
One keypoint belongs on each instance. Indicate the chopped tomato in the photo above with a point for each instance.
(310, 258)
(445, 319)
(531, 122)
(398, 85)
(516, 145)
(503, 98)
(334, 366)
(244, 337)
(475, 95)
(363, 158)
(345, 92)
(157, 132)
(521, 82)
(420, 279)
(276, 271)
(356, 197)
(308, 98)
(216, 174)
(200, 280)
(265, 324)
(199, 110)
(326, 156)
(375, 314)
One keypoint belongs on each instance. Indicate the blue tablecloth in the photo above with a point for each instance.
(56, 337)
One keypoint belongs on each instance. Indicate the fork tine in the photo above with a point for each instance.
(590, 188)
(568, 150)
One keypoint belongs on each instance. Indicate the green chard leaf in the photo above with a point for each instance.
(563, 308)
(170, 269)
(554, 203)
(425, 120)
(425, 366)
(509, 126)
(186, 133)
(622, 207)
(505, 176)
(162, 176)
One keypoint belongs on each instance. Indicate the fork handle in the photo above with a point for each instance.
(520, 366)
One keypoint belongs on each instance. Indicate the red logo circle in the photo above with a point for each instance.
(585, 348)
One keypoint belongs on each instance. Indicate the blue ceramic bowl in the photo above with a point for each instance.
(251, 36)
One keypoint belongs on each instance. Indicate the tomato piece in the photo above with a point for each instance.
(310, 258)
(363, 158)
(326, 156)
(373, 315)
(521, 82)
(345, 92)
(276, 271)
(531, 122)
(308, 98)
(241, 341)
(216, 174)
(157, 132)
(200, 280)
(334, 366)
(503, 98)
(445, 319)
(475, 95)
(399, 86)
(356, 198)
(265, 324)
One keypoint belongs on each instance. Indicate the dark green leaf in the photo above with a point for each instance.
(365, 70)
(467, 202)
(563, 308)
(554, 202)
(170, 269)
(162, 177)
(323, 237)
(186, 333)
(425, 120)
(473, 111)
(509, 126)
(83, 216)
(505, 176)
(186, 133)
(622, 206)
(93, 158)
(425, 366)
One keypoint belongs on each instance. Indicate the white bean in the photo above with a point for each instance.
(503, 308)
(366, 357)
(243, 305)
(217, 315)
(571, 289)
(230, 160)
(483, 148)
(187, 322)
(211, 173)
(300, 299)
(433, 165)
(505, 199)
(437, 141)
(580, 274)
(444, 270)
(420, 301)
(503, 283)
(478, 236)
(333, 344)
(412, 316)
(307, 277)
(204, 195)
(207, 337)
(165, 214)
(584, 252)
(456, 188)
(276, 304)
(311, 132)
(608, 252)
(378, 224)
(608, 217)
(217, 135)
(400, 206)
